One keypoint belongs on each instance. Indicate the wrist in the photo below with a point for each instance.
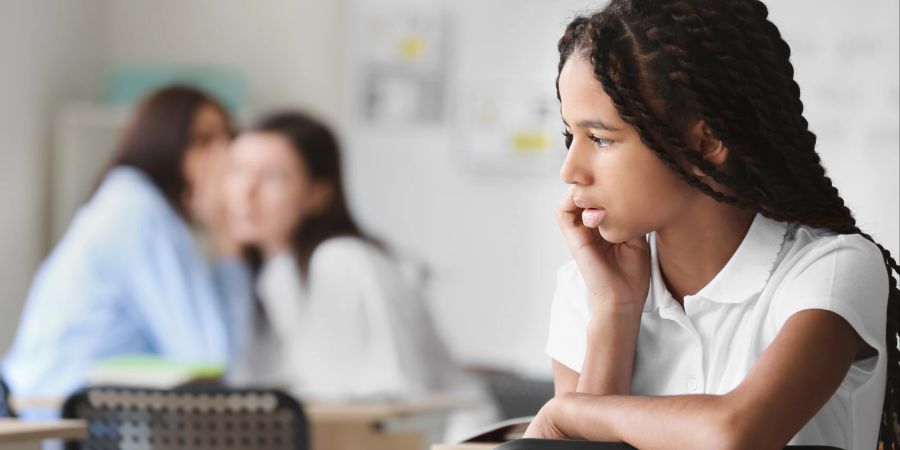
(618, 313)
(585, 417)
(555, 415)
(563, 415)
(611, 345)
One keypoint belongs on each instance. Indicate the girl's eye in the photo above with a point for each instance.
(568, 138)
(601, 142)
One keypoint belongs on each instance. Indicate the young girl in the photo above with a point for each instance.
(339, 318)
(127, 277)
(721, 294)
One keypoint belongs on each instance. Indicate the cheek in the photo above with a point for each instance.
(233, 192)
(283, 209)
(194, 162)
(642, 191)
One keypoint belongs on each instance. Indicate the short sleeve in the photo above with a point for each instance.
(569, 316)
(845, 275)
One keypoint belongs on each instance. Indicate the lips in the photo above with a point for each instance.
(584, 204)
(591, 215)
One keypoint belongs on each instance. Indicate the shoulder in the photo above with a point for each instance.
(569, 316)
(128, 197)
(124, 214)
(567, 271)
(343, 248)
(346, 254)
(847, 256)
(842, 273)
(571, 293)
(569, 283)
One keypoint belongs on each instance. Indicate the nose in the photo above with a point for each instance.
(576, 168)
(250, 189)
(241, 186)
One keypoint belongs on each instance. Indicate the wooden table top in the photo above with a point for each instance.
(17, 430)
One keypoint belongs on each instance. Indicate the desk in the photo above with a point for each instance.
(18, 434)
(408, 425)
(402, 425)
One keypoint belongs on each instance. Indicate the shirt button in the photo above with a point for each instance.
(693, 384)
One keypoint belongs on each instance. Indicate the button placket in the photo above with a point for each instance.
(693, 384)
(695, 381)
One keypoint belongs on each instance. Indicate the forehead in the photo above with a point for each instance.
(581, 94)
(262, 146)
(265, 149)
(208, 115)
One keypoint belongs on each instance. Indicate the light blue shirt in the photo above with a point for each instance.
(127, 278)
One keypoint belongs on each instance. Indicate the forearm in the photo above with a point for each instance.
(611, 342)
(672, 422)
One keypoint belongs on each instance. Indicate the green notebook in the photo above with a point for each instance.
(153, 372)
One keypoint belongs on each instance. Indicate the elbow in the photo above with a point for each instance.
(730, 439)
(725, 434)
(732, 430)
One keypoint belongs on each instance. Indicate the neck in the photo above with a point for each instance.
(693, 249)
(273, 249)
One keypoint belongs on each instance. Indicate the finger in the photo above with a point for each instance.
(568, 202)
(568, 214)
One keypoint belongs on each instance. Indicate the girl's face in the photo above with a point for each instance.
(268, 191)
(608, 165)
(207, 151)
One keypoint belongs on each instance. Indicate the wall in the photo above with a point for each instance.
(49, 51)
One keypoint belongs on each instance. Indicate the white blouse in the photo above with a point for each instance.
(710, 344)
(355, 329)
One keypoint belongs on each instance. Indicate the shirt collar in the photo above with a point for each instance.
(743, 276)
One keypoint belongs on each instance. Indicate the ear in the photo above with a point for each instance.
(701, 138)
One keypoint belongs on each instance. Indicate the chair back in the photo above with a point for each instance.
(6, 409)
(195, 418)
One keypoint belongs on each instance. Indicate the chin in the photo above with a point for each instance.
(246, 238)
(617, 235)
(611, 236)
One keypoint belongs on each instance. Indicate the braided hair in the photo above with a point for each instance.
(667, 65)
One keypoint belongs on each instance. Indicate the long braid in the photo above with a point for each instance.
(666, 65)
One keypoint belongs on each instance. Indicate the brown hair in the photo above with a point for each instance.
(158, 136)
(317, 147)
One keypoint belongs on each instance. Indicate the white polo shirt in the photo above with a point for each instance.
(710, 345)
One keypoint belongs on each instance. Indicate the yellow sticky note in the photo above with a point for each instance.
(412, 47)
(530, 142)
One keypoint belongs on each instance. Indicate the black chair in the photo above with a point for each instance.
(190, 418)
(516, 396)
(6, 409)
(551, 444)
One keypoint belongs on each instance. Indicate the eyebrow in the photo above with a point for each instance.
(596, 124)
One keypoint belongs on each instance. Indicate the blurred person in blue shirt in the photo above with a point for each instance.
(127, 277)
